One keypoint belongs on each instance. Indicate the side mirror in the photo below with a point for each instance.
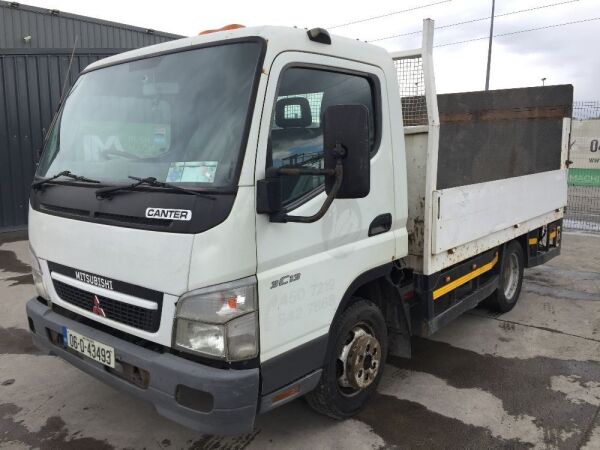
(346, 160)
(348, 126)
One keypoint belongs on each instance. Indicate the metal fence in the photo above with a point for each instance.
(583, 207)
(584, 110)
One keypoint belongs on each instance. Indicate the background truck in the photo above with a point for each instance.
(223, 223)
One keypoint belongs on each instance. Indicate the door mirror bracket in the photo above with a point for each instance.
(338, 173)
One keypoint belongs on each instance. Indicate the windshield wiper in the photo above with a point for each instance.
(108, 192)
(65, 173)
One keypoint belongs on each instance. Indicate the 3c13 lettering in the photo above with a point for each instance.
(286, 279)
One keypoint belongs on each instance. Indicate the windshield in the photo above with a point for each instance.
(179, 117)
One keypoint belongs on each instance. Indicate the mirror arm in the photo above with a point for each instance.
(338, 172)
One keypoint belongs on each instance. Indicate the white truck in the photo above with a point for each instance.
(223, 223)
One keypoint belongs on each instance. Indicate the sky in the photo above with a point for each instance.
(566, 54)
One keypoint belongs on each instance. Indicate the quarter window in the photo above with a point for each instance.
(296, 134)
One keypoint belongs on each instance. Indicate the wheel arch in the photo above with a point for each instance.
(376, 286)
(366, 285)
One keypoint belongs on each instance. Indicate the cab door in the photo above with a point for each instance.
(304, 269)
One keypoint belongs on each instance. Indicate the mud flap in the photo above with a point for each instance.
(399, 322)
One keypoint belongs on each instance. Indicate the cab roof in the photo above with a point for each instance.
(279, 39)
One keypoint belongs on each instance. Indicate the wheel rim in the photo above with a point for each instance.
(511, 276)
(359, 360)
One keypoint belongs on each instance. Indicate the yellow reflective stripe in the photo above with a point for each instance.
(533, 241)
(552, 234)
(465, 278)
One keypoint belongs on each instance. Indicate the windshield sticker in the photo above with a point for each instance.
(192, 172)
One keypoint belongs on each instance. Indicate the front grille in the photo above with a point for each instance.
(131, 315)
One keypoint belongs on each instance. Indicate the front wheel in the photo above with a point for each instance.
(511, 279)
(354, 363)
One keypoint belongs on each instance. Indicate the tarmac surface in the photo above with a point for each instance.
(526, 379)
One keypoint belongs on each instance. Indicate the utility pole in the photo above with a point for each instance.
(489, 61)
(544, 81)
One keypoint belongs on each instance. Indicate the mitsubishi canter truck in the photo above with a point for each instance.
(223, 223)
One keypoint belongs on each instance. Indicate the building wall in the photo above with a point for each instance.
(33, 74)
(56, 29)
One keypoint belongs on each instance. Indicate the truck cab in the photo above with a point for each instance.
(220, 224)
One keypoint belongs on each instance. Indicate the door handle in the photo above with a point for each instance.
(380, 224)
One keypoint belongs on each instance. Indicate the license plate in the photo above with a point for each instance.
(90, 347)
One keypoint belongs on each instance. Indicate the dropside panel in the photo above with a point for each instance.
(467, 213)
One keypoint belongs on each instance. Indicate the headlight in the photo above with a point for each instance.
(36, 272)
(219, 321)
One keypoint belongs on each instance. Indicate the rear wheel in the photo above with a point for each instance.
(511, 279)
(355, 357)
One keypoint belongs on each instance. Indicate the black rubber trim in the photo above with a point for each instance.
(293, 364)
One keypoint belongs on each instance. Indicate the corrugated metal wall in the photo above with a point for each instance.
(55, 29)
(32, 76)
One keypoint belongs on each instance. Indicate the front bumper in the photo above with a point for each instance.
(234, 392)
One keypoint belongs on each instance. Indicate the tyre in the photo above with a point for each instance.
(354, 362)
(511, 279)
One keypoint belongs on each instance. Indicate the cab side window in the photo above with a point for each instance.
(296, 135)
